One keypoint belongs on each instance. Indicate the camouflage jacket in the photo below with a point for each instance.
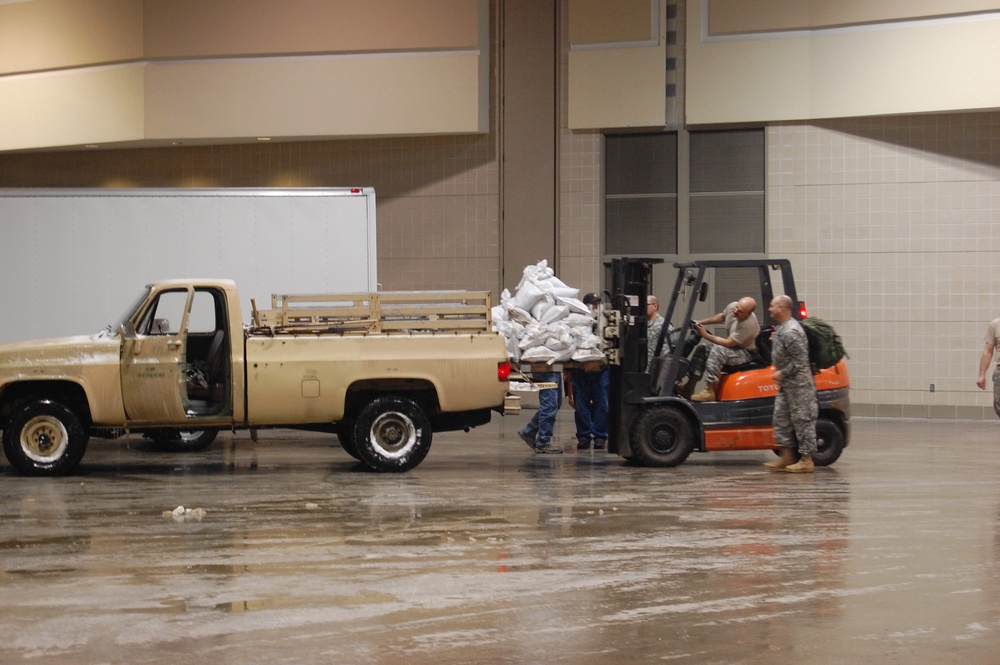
(790, 354)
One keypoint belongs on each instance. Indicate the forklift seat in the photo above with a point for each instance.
(762, 357)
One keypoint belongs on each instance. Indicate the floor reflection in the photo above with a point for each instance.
(488, 553)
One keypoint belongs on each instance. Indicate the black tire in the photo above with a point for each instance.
(661, 436)
(345, 436)
(392, 434)
(183, 441)
(44, 438)
(829, 442)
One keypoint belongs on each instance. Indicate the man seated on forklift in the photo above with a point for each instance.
(737, 348)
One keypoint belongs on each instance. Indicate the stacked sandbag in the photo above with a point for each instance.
(544, 321)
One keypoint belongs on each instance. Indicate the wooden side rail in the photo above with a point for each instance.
(380, 312)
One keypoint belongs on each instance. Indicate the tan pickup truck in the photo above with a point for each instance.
(381, 370)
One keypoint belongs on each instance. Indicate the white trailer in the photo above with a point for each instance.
(70, 257)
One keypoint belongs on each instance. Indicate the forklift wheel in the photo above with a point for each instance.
(662, 436)
(829, 443)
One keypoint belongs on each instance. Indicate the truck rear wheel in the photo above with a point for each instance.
(44, 438)
(829, 442)
(345, 435)
(392, 434)
(662, 436)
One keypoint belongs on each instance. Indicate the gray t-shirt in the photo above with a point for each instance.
(993, 337)
(742, 332)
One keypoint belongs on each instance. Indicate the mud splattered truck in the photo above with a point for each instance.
(381, 370)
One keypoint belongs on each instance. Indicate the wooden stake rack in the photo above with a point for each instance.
(389, 312)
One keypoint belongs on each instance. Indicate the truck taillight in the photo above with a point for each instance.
(503, 371)
(803, 312)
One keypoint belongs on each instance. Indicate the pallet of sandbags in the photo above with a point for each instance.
(545, 323)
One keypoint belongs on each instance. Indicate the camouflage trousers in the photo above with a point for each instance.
(795, 412)
(996, 390)
(721, 356)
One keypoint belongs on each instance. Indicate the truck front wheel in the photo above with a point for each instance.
(44, 438)
(392, 434)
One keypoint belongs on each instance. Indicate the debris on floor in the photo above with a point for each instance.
(181, 514)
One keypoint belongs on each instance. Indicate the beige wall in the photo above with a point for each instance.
(56, 34)
(893, 226)
(214, 28)
(221, 71)
(742, 17)
(909, 67)
(617, 64)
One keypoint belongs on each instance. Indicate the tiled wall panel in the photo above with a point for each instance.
(893, 225)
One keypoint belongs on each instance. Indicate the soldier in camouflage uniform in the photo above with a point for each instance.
(795, 407)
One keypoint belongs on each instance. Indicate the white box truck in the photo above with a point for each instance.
(70, 257)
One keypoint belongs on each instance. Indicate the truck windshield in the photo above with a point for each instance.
(116, 325)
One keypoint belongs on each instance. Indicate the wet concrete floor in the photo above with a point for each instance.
(487, 553)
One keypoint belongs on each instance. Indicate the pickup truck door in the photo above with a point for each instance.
(153, 360)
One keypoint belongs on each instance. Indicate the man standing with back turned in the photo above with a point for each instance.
(795, 407)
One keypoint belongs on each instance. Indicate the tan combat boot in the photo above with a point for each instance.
(706, 395)
(804, 465)
(786, 457)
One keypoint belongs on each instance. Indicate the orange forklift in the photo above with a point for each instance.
(651, 420)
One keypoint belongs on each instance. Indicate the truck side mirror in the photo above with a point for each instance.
(703, 292)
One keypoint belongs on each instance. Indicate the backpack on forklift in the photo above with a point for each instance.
(825, 346)
(652, 420)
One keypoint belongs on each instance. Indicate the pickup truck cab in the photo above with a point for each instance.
(381, 370)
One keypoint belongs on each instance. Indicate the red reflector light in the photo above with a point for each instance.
(355, 190)
(503, 371)
(803, 312)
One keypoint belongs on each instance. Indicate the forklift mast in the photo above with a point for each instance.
(631, 282)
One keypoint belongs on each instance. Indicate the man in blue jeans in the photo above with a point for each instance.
(589, 398)
(538, 432)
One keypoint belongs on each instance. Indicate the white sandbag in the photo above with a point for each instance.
(573, 320)
(554, 313)
(550, 289)
(534, 335)
(519, 315)
(574, 304)
(539, 354)
(533, 273)
(560, 341)
(498, 313)
(587, 355)
(564, 356)
(505, 297)
(513, 350)
(528, 294)
(542, 306)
